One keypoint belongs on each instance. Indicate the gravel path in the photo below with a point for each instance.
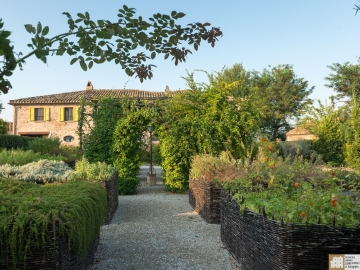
(156, 229)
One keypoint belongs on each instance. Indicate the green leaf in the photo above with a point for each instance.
(133, 47)
(153, 55)
(80, 15)
(180, 15)
(39, 28)
(91, 63)
(73, 61)
(173, 14)
(196, 46)
(87, 15)
(30, 28)
(101, 23)
(83, 65)
(45, 31)
(67, 14)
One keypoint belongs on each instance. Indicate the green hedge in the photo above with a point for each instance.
(30, 204)
(14, 141)
(128, 185)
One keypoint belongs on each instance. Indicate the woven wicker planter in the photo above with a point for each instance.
(111, 186)
(56, 255)
(258, 243)
(204, 197)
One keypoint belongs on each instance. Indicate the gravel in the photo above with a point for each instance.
(156, 229)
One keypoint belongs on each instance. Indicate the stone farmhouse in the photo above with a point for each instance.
(56, 115)
(299, 134)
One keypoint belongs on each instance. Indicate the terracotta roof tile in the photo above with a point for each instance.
(298, 131)
(75, 97)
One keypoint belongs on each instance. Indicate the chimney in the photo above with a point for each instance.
(89, 86)
(167, 89)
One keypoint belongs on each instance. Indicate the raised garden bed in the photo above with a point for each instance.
(204, 197)
(257, 242)
(111, 186)
(35, 234)
(55, 254)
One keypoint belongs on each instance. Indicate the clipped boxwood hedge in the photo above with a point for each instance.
(25, 210)
(14, 141)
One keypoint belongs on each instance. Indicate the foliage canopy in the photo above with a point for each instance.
(121, 41)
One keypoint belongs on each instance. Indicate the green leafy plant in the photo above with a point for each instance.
(41, 172)
(295, 189)
(128, 185)
(89, 42)
(21, 157)
(15, 142)
(24, 216)
(49, 146)
(98, 171)
(128, 141)
(99, 120)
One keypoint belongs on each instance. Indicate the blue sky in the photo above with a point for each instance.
(308, 34)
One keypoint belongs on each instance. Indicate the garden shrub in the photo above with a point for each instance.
(296, 148)
(49, 146)
(209, 168)
(128, 185)
(21, 157)
(15, 142)
(86, 207)
(70, 153)
(97, 171)
(331, 150)
(41, 172)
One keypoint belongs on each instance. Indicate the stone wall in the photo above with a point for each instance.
(52, 128)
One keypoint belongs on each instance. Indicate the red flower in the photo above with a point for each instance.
(297, 185)
(303, 214)
(332, 173)
(270, 148)
(267, 159)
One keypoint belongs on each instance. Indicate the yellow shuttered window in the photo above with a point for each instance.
(62, 114)
(32, 114)
(47, 114)
(76, 113)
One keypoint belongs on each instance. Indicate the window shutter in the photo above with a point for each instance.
(47, 114)
(32, 114)
(61, 113)
(76, 114)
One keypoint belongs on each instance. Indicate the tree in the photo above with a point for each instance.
(2, 126)
(343, 79)
(330, 125)
(209, 119)
(1, 105)
(280, 95)
(92, 42)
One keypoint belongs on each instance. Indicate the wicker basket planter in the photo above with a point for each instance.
(204, 197)
(111, 186)
(258, 242)
(55, 254)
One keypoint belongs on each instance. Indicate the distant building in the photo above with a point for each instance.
(299, 134)
(57, 115)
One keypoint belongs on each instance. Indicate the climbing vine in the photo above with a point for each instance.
(127, 139)
(96, 127)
